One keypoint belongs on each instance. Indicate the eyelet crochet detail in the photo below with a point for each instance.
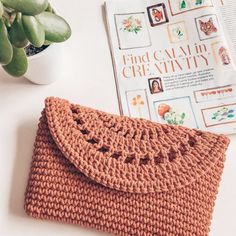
(132, 155)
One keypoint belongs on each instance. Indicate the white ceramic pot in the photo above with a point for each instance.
(46, 66)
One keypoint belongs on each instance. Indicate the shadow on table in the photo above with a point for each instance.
(103, 11)
(25, 140)
(7, 79)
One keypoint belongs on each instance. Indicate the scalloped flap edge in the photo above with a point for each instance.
(131, 155)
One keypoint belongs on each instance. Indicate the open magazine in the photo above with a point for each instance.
(173, 62)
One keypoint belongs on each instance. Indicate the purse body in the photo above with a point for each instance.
(60, 187)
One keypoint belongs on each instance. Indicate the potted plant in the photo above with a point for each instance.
(28, 31)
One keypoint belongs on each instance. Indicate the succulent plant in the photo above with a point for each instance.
(24, 22)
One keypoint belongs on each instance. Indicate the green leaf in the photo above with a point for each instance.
(231, 116)
(47, 43)
(1, 10)
(7, 22)
(17, 34)
(19, 64)
(27, 7)
(6, 50)
(33, 30)
(56, 28)
(49, 8)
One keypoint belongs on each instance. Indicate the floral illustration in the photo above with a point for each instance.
(178, 32)
(183, 4)
(139, 103)
(199, 2)
(222, 114)
(132, 25)
(171, 116)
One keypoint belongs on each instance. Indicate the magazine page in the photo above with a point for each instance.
(172, 63)
(227, 9)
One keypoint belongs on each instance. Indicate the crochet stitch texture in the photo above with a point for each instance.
(122, 175)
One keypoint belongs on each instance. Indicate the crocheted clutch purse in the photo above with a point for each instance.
(122, 175)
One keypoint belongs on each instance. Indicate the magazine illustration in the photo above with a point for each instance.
(173, 63)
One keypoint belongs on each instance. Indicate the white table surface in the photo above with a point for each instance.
(88, 80)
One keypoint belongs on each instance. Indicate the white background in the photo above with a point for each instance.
(88, 79)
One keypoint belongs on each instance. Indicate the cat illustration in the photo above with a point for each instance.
(207, 27)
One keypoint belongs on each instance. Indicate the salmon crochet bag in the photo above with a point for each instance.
(122, 175)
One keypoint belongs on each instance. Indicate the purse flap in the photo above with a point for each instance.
(131, 155)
